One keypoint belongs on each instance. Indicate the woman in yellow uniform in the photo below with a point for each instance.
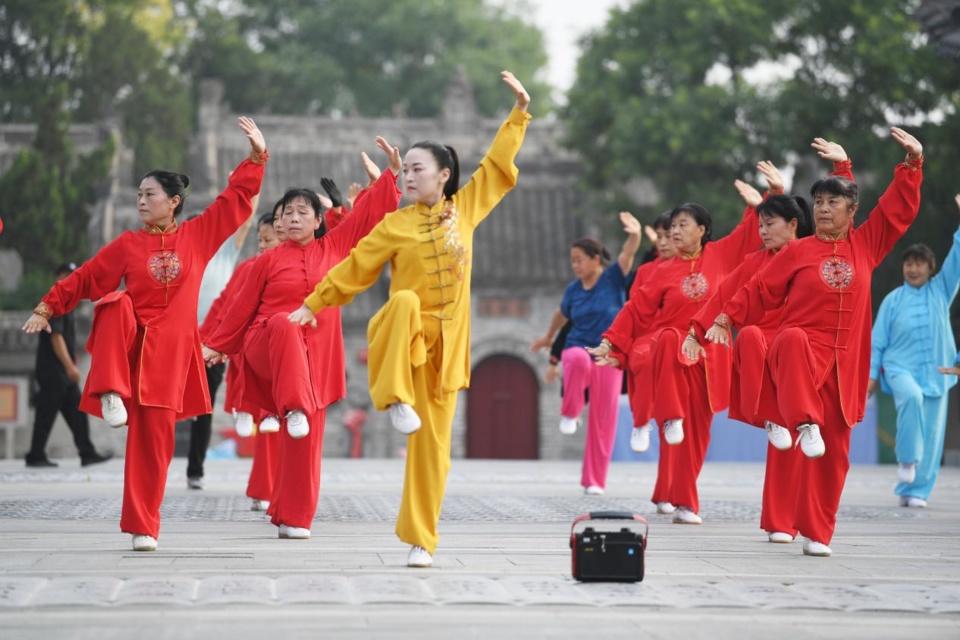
(419, 355)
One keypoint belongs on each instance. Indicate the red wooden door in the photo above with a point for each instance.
(503, 420)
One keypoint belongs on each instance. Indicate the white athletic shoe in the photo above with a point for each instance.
(144, 543)
(593, 490)
(907, 473)
(260, 505)
(778, 436)
(912, 502)
(404, 418)
(243, 424)
(814, 548)
(780, 537)
(297, 425)
(640, 439)
(568, 426)
(673, 431)
(270, 424)
(665, 508)
(293, 533)
(419, 558)
(684, 516)
(114, 413)
(810, 441)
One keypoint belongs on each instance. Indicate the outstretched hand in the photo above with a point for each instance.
(523, 98)
(651, 233)
(692, 349)
(540, 343)
(631, 226)
(600, 351)
(353, 191)
(772, 174)
(912, 146)
(829, 150)
(718, 335)
(949, 371)
(957, 200)
(750, 195)
(212, 357)
(393, 154)
(254, 135)
(333, 192)
(35, 324)
(303, 316)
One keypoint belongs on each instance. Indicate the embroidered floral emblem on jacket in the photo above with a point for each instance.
(694, 286)
(836, 272)
(164, 266)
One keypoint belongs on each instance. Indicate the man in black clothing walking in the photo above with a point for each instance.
(58, 377)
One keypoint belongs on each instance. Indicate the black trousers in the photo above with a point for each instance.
(59, 395)
(201, 427)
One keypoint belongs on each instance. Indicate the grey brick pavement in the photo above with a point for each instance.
(502, 567)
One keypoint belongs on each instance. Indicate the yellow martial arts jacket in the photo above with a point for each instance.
(430, 253)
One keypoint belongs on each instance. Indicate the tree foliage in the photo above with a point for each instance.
(692, 93)
(361, 57)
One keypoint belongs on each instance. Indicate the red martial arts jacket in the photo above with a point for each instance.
(162, 271)
(282, 277)
(675, 291)
(824, 288)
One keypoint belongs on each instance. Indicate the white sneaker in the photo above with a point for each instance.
(779, 537)
(270, 424)
(907, 473)
(194, 483)
(114, 413)
(685, 516)
(243, 424)
(418, 557)
(404, 418)
(640, 439)
(665, 508)
(810, 441)
(144, 543)
(778, 436)
(913, 502)
(568, 426)
(593, 490)
(297, 425)
(814, 548)
(293, 533)
(260, 505)
(673, 431)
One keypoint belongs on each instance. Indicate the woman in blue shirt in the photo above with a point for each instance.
(592, 301)
(911, 339)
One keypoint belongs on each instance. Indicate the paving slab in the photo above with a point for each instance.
(501, 570)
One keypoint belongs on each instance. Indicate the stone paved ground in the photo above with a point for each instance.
(502, 569)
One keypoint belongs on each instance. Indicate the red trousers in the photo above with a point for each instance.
(820, 481)
(297, 491)
(681, 392)
(266, 464)
(753, 401)
(665, 466)
(150, 430)
(639, 388)
(276, 356)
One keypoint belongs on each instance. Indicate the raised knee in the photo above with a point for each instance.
(405, 299)
(751, 334)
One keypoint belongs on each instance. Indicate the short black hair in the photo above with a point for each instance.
(700, 215)
(921, 253)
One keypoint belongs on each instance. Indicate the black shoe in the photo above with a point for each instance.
(43, 462)
(96, 458)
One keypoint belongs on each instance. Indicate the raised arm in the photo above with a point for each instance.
(239, 312)
(370, 208)
(900, 203)
(948, 280)
(633, 229)
(497, 173)
(234, 205)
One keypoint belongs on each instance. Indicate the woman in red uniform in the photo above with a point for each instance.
(295, 371)
(146, 366)
(782, 220)
(819, 362)
(683, 391)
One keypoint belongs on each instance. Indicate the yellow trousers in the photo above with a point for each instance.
(403, 369)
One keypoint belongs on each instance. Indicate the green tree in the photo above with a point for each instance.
(361, 56)
(691, 93)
